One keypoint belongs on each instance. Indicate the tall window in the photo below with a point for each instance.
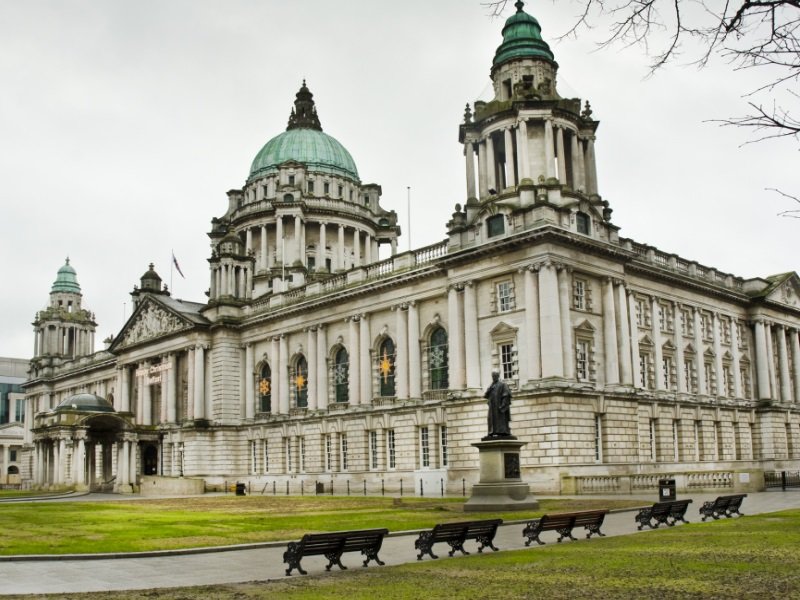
(373, 449)
(675, 441)
(341, 374)
(424, 447)
(697, 450)
(300, 382)
(391, 448)
(710, 377)
(645, 370)
(582, 360)
(443, 445)
(507, 356)
(265, 389)
(580, 299)
(302, 444)
(437, 360)
(266, 457)
(326, 188)
(727, 381)
(287, 442)
(386, 361)
(583, 223)
(505, 296)
(253, 457)
(666, 373)
(310, 187)
(653, 440)
(343, 450)
(328, 452)
(718, 439)
(598, 438)
(690, 375)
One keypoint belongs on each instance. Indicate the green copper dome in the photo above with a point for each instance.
(86, 403)
(522, 38)
(304, 142)
(66, 280)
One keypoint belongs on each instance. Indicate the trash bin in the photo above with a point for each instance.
(666, 490)
(240, 489)
(320, 488)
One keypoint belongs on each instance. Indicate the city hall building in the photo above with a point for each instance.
(314, 361)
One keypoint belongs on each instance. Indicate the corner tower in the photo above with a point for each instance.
(528, 145)
(303, 215)
(64, 330)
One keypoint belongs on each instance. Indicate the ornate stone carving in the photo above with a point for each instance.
(151, 323)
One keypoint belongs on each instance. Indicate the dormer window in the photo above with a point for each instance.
(310, 187)
(583, 223)
(495, 225)
(326, 188)
(288, 198)
(341, 192)
(291, 179)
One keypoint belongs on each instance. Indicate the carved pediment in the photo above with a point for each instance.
(149, 322)
(787, 293)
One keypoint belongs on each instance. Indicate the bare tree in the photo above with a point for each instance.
(747, 34)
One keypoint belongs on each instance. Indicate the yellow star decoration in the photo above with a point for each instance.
(385, 366)
(300, 381)
(263, 387)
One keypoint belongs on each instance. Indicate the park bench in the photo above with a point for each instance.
(332, 545)
(455, 534)
(564, 523)
(726, 506)
(669, 513)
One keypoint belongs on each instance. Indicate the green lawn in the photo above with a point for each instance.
(131, 526)
(746, 557)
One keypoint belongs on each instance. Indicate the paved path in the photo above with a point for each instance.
(70, 574)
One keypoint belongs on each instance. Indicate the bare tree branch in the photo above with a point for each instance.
(794, 213)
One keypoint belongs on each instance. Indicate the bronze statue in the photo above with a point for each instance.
(499, 400)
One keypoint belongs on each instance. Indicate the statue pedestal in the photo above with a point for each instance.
(500, 486)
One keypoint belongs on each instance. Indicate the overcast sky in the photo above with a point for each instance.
(123, 125)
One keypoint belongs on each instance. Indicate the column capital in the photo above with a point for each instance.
(456, 287)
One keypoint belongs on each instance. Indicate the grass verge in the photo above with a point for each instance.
(125, 526)
(746, 557)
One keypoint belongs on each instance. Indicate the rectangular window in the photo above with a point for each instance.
(790, 449)
(697, 450)
(725, 329)
(341, 192)
(707, 327)
(253, 457)
(391, 448)
(676, 456)
(495, 225)
(687, 323)
(302, 443)
(288, 451)
(737, 446)
(646, 370)
(373, 449)
(689, 375)
(505, 297)
(653, 440)
(328, 453)
(291, 179)
(310, 187)
(578, 294)
(266, 457)
(582, 360)
(710, 377)
(741, 332)
(443, 445)
(424, 447)
(727, 381)
(326, 188)
(598, 438)
(343, 450)
(507, 361)
(718, 439)
(666, 372)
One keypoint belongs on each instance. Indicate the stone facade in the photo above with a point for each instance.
(314, 362)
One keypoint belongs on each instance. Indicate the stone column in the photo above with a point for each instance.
(414, 357)
(172, 394)
(340, 254)
(322, 370)
(401, 349)
(523, 164)
(275, 374)
(610, 348)
(783, 365)
(455, 339)
(123, 376)
(471, 336)
(562, 160)
(264, 249)
(469, 154)
(298, 240)
(623, 335)
(283, 374)
(533, 350)
(550, 322)
(718, 369)
(794, 341)
(491, 163)
(146, 417)
(354, 374)
(591, 167)
(679, 370)
(636, 373)
(699, 358)
(549, 157)
(249, 390)
(483, 181)
(164, 376)
(322, 251)
(364, 344)
(248, 240)
(773, 376)
(511, 180)
(564, 299)
(123, 463)
(279, 258)
(311, 357)
(190, 385)
(80, 463)
(199, 382)
(356, 247)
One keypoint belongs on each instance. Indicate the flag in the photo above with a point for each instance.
(177, 266)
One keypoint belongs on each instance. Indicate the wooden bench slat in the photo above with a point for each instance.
(455, 534)
(332, 545)
(564, 523)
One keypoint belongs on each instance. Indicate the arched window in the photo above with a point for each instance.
(341, 373)
(583, 223)
(300, 382)
(386, 359)
(438, 360)
(265, 390)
